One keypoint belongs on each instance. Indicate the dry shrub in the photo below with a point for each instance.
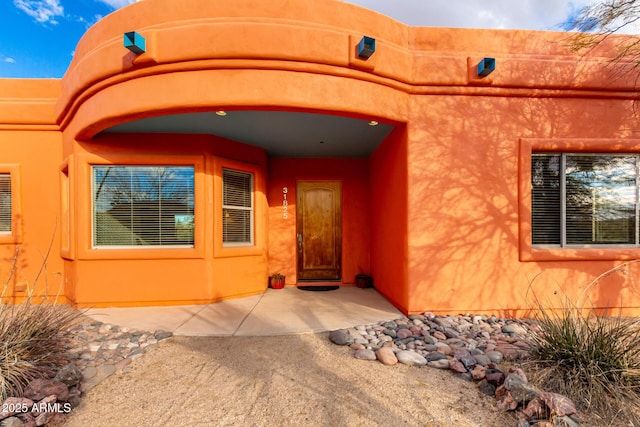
(33, 340)
(589, 357)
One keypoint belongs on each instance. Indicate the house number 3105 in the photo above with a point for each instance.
(285, 203)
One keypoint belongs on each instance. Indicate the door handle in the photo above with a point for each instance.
(300, 243)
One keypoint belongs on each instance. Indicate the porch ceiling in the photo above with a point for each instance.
(280, 133)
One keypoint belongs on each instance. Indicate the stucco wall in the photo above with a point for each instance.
(30, 149)
(464, 202)
(388, 189)
(446, 193)
(30, 256)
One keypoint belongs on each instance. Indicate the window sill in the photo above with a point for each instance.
(141, 253)
(237, 251)
(579, 254)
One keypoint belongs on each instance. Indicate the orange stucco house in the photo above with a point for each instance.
(227, 141)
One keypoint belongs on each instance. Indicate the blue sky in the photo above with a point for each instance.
(38, 37)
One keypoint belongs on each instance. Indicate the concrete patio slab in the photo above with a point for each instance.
(276, 312)
(291, 311)
(219, 319)
(167, 318)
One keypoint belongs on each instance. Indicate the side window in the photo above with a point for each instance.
(237, 208)
(6, 205)
(142, 206)
(584, 200)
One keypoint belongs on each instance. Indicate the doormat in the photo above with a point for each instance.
(318, 288)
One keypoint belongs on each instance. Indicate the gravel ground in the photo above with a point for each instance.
(292, 380)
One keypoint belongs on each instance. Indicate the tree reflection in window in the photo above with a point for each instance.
(143, 205)
(584, 199)
(600, 199)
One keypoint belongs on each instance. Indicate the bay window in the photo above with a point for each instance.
(143, 206)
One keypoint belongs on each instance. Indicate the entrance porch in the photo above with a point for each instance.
(275, 312)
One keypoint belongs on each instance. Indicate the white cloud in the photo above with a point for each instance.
(41, 10)
(9, 60)
(88, 22)
(508, 14)
(117, 4)
(504, 14)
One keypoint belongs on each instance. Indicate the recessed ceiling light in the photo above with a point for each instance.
(373, 123)
(221, 113)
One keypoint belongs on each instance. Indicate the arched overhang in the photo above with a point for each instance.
(301, 108)
(295, 58)
(298, 56)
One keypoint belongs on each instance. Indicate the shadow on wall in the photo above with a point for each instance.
(21, 278)
(463, 212)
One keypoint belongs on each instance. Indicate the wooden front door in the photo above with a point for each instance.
(319, 223)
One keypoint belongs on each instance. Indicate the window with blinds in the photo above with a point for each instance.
(237, 208)
(6, 211)
(143, 206)
(584, 199)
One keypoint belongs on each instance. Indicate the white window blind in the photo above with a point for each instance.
(584, 199)
(143, 206)
(5, 203)
(237, 208)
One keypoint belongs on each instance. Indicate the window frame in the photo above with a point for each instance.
(15, 235)
(250, 209)
(5, 177)
(527, 251)
(94, 242)
(259, 205)
(564, 191)
(85, 249)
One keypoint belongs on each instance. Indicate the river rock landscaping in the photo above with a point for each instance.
(477, 347)
(473, 346)
(96, 351)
